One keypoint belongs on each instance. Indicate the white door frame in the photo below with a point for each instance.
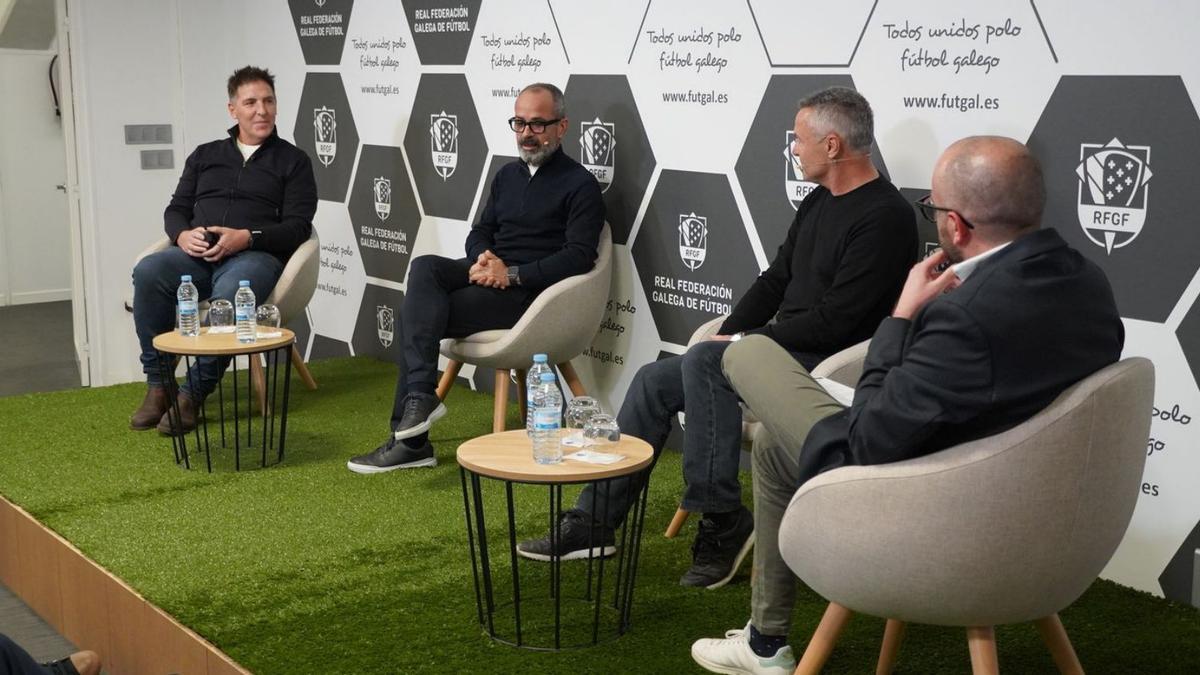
(83, 264)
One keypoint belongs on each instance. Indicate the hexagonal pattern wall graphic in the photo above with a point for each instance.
(379, 329)
(384, 212)
(765, 170)
(607, 136)
(321, 28)
(325, 130)
(445, 145)
(927, 237)
(442, 29)
(842, 24)
(494, 165)
(1120, 182)
(692, 253)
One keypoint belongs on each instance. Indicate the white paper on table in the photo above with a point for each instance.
(590, 457)
(577, 440)
(840, 392)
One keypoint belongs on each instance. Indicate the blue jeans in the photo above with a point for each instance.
(712, 443)
(155, 282)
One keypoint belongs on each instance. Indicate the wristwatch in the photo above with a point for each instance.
(514, 278)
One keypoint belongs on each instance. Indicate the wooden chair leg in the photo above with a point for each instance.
(824, 638)
(893, 635)
(981, 640)
(447, 380)
(522, 395)
(677, 522)
(1055, 637)
(302, 369)
(500, 406)
(259, 381)
(572, 379)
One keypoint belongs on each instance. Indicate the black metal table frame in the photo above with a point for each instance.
(628, 553)
(271, 356)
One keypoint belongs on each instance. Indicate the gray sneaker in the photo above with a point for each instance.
(392, 455)
(420, 412)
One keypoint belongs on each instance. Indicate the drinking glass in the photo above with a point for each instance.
(603, 431)
(220, 316)
(579, 411)
(267, 318)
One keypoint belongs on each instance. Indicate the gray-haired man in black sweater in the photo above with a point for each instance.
(541, 224)
(837, 274)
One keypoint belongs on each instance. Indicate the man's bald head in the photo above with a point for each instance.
(995, 183)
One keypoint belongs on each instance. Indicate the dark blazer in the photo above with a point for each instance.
(1030, 321)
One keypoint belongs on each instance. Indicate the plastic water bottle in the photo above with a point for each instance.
(547, 445)
(189, 307)
(243, 310)
(533, 380)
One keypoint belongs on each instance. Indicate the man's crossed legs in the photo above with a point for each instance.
(788, 402)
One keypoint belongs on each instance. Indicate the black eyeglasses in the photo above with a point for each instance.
(929, 209)
(536, 126)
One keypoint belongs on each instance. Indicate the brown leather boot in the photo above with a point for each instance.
(151, 411)
(187, 414)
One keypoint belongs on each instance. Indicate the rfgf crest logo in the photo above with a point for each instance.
(1113, 195)
(793, 176)
(383, 197)
(385, 325)
(325, 133)
(443, 140)
(693, 240)
(597, 149)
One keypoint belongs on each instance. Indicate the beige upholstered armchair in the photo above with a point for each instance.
(291, 294)
(1005, 529)
(561, 323)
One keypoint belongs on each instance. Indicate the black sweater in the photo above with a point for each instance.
(548, 225)
(838, 273)
(273, 194)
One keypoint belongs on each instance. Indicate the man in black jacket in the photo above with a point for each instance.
(967, 352)
(541, 224)
(242, 207)
(836, 275)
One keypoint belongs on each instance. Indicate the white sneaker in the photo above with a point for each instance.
(733, 656)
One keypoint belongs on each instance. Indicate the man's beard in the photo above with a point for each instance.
(537, 154)
(953, 253)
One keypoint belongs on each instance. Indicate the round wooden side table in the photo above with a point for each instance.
(507, 457)
(273, 348)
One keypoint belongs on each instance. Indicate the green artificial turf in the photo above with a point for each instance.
(307, 568)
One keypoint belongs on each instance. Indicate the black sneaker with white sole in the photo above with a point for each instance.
(420, 412)
(719, 549)
(392, 455)
(577, 536)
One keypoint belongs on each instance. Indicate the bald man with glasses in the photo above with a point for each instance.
(541, 224)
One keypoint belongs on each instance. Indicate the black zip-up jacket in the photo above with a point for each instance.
(273, 194)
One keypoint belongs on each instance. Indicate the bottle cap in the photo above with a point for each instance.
(243, 283)
(539, 358)
(547, 377)
(185, 278)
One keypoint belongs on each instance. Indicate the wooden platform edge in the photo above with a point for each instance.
(95, 609)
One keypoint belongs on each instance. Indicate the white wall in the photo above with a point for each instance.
(125, 55)
(34, 236)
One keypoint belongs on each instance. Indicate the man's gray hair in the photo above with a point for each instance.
(842, 111)
(560, 101)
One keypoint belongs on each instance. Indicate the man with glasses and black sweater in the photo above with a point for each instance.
(541, 224)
